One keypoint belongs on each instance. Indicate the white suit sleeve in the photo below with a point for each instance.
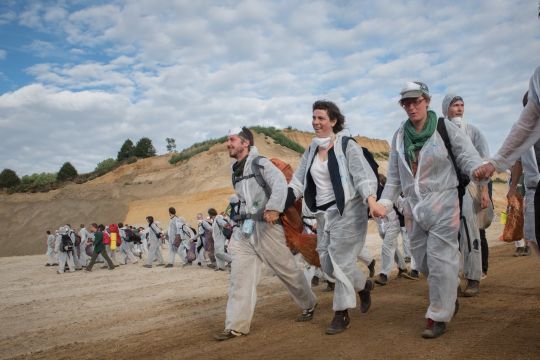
(297, 181)
(364, 179)
(467, 158)
(392, 189)
(275, 179)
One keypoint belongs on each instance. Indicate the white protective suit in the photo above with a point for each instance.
(469, 244)
(126, 248)
(525, 132)
(531, 174)
(83, 233)
(342, 228)
(266, 244)
(154, 244)
(389, 231)
(76, 260)
(175, 228)
(52, 257)
(222, 258)
(431, 210)
(64, 257)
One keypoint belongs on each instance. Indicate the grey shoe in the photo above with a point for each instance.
(434, 329)
(339, 323)
(472, 288)
(147, 266)
(365, 296)
(382, 279)
(227, 335)
(414, 274)
(307, 314)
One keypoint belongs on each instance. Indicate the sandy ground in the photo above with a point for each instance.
(138, 313)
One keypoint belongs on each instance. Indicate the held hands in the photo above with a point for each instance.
(271, 216)
(376, 210)
(484, 172)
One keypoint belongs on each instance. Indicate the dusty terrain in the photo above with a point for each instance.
(138, 313)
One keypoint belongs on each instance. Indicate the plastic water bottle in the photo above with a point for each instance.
(249, 224)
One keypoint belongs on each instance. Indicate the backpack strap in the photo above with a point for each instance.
(441, 129)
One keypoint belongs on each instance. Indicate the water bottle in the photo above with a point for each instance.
(249, 224)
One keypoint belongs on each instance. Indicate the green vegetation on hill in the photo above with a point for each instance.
(279, 138)
(195, 149)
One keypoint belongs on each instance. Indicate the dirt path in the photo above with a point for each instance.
(136, 313)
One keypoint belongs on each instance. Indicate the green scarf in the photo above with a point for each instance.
(415, 140)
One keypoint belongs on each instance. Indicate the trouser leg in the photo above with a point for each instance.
(245, 275)
(152, 252)
(62, 258)
(272, 248)
(537, 213)
(485, 250)
(108, 260)
(365, 256)
(172, 253)
(470, 241)
(405, 243)
(70, 261)
(389, 246)
(92, 261)
(222, 258)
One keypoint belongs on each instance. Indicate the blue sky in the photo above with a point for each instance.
(79, 77)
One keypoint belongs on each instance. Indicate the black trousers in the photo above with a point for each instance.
(94, 257)
(537, 213)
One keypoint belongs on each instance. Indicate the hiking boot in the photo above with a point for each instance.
(407, 259)
(403, 273)
(147, 266)
(382, 279)
(371, 268)
(434, 329)
(315, 281)
(162, 264)
(414, 274)
(519, 251)
(104, 267)
(307, 314)
(339, 323)
(211, 265)
(365, 296)
(47, 264)
(472, 288)
(526, 251)
(330, 286)
(226, 335)
(169, 265)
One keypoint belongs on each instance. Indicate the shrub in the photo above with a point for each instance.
(279, 138)
(195, 149)
(66, 172)
(105, 166)
(9, 179)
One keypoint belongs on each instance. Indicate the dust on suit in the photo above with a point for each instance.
(266, 244)
(222, 258)
(51, 253)
(431, 210)
(63, 257)
(154, 244)
(342, 227)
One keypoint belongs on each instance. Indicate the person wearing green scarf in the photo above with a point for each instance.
(429, 185)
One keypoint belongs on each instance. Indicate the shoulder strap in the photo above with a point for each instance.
(256, 169)
(344, 142)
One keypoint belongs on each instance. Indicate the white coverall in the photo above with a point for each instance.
(469, 232)
(154, 244)
(126, 249)
(51, 253)
(83, 233)
(266, 244)
(531, 179)
(76, 261)
(342, 228)
(389, 231)
(222, 258)
(63, 257)
(431, 210)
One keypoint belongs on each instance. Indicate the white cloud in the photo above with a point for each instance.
(190, 70)
(3, 54)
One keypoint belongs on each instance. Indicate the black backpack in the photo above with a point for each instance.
(67, 243)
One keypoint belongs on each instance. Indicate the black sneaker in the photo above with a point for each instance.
(365, 296)
(315, 281)
(169, 265)
(330, 286)
(526, 251)
(307, 314)
(339, 323)
(519, 251)
(382, 279)
(371, 268)
(414, 274)
(226, 335)
(434, 329)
